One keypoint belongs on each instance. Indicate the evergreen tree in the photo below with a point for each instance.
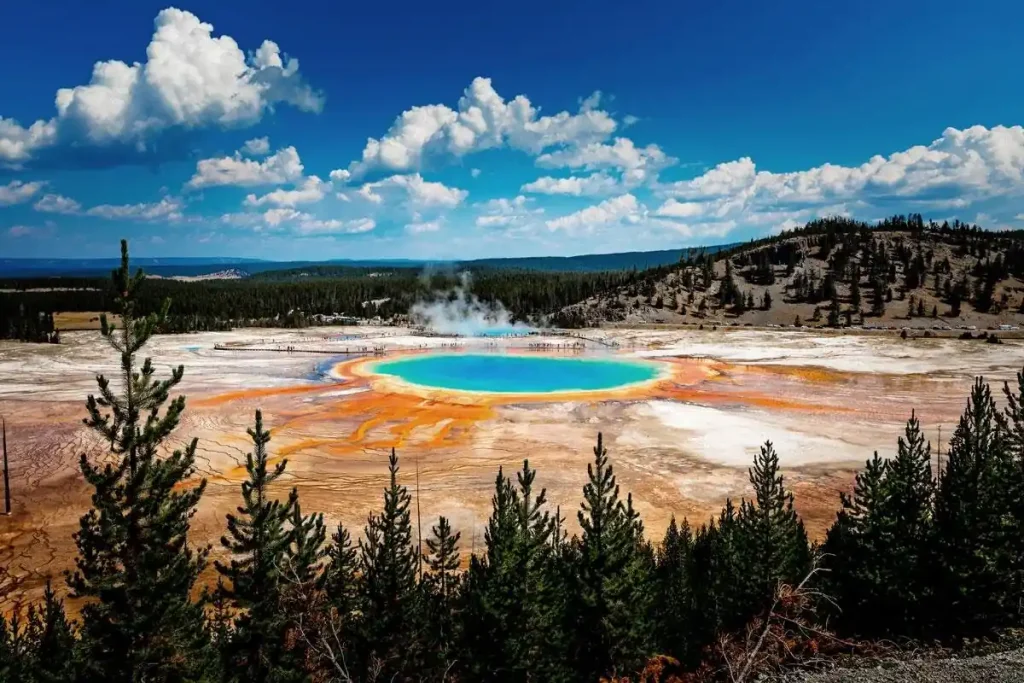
(258, 541)
(388, 563)
(772, 534)
(615, 581)
(134, 564)
(1012, 424)
(907, 518)
(340, 578)
(52, 640)
(971, 513)
(674, 608)
(441, 585)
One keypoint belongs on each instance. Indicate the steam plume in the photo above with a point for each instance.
(461, 312)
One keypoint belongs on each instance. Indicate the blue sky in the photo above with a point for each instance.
(350, 130)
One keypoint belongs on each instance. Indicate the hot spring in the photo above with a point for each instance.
(517, 374)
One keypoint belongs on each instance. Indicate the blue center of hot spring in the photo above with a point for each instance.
(498, 373)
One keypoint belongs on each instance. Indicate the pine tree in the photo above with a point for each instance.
(972, 507)
(907, 515)
(773, 534)
(441, 585)
(388, 563)
(851, 546)
(1012, 424)
(674, 608)
(134, 564)
(16, 656)
(258, 541)
(52, 640)
(615, 577)
(340, 580)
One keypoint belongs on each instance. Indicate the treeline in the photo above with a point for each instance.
(29, 326)
(912, 554)
(290, 299)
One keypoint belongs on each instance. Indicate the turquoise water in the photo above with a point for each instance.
(516, 374)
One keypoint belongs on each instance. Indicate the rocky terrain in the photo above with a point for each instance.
(837, 273)
(1002, 667)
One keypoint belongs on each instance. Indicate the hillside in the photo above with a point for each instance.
(898, 273)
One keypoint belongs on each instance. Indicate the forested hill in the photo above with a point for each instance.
(837, 272)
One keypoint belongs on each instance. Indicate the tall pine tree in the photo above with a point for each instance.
(389, 564)
(134, 565)
(258, 541)
(614, 627)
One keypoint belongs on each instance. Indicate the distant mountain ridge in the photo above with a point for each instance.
(197, 266)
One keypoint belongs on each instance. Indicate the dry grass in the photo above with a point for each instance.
(81, 320)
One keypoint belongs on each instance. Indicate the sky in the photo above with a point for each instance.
(326, 130)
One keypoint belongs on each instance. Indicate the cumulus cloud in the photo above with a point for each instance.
(414, 190)
(596, 184)
(298, 222)
(167, 209)
(257, 147)
(504, 212)
(424, 226)
(975, 163)
(17, 192)
(312, 190)
(677, 209)
(482, 120)
(637, 164)
(624, 209)
(282, 166)
(475, 172)
(191, 79)
(20, 231)
(958, 169)
(55, 203)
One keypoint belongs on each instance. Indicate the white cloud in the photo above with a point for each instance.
(312, 190)
(958, 169)
(638, 164)
(282, 166)
(275, 217)
(257, 147)
(503, 212)
(676, 209)
(596, 184)
(415, 190)
(617, 210)
(16, 192)
(168, 208)
(55, 203)
(974, 163)
(298, 222)
(20, 231)
(190, 79)
(483, 120)
(340, 175)
(424, 226)
(475, 172)
(629, 120)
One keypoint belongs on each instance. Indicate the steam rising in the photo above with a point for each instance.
(460, 312)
